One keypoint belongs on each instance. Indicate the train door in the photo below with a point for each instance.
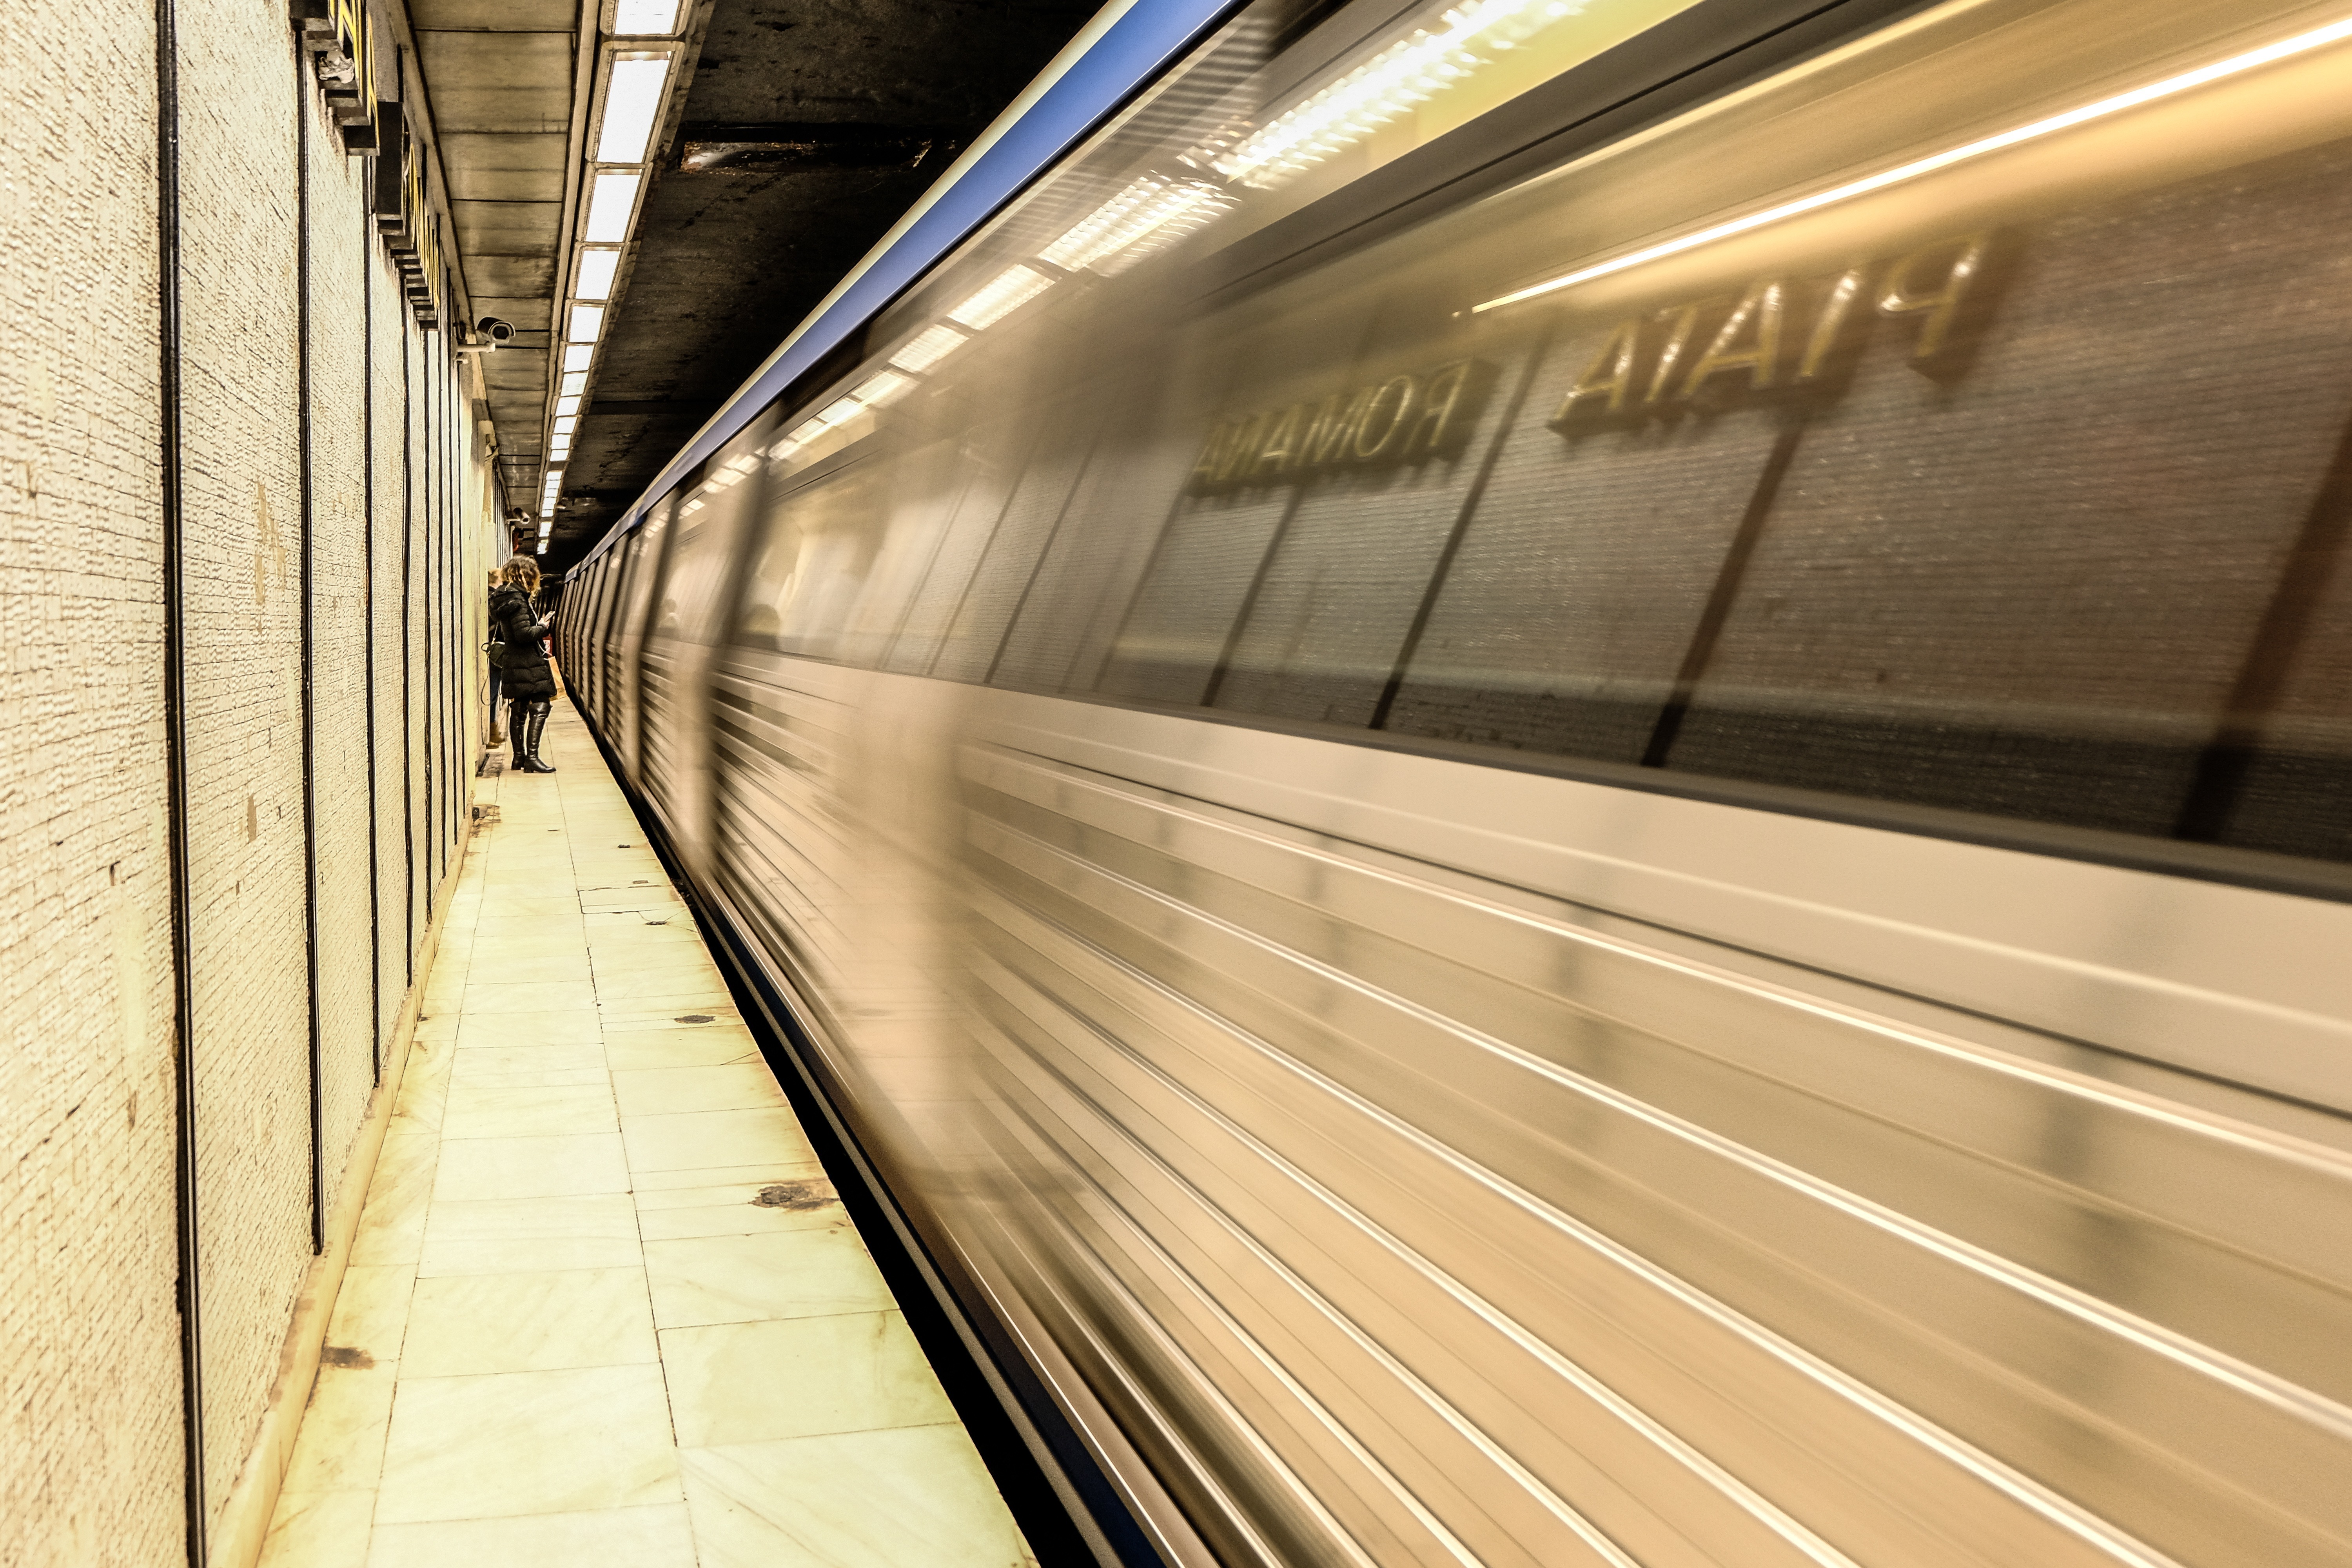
(640, 564)
(689, 608)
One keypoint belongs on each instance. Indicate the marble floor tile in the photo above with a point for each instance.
(663, 1007)
(476, 1111)
(535, 886)
(464, 1324)
(528, 996)
(703, 1138)
(567, 964)
(424, 1088)
(392, 1224)
(637, 894)
(651, 962)
(670, 940)
(658, 1537)
(805, 1196)
(545, 862)
(481, 1168)
(514, 1066)
(739, 1278)
(514, 1443)
(319, 1530)
(740, 1208)
(661, 1091)
(371, 1313)
(651, 1013)
(618, 924)
(687, 1046)
(506, 921)
(891, 1498)
(523, 904)
(576, 1027)
(339, 1447)
(647, 1184)
(654, 975)
(524, 1235)
(508, 929)
(442, 1026)
(797, 1377)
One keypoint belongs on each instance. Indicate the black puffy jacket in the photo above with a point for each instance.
(524, 672)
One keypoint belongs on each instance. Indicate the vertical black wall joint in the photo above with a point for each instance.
(172, 504)
(303, 110)
(367, 600)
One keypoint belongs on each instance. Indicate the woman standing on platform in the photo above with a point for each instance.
(530, 684)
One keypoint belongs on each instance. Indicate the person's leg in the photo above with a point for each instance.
(494, 738)
(539, 711)
(519, 730)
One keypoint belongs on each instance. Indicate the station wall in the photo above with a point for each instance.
(337, 515)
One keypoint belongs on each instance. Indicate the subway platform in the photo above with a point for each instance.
(602, 1307)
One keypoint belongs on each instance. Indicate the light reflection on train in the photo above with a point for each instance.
(1546, 839)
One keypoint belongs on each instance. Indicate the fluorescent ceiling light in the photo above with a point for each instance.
(1408, 72)
(999, 296)
(565, 425)
(1156, 208)
(566, 407)
(587, 321)
(881, 387)
(632, 99)
(644, 18)
(610, 206)
(867, 395)
(2302, 43)
(593, 280)
(542, 548)
(579, 356)
(927, 348)
(574, 384)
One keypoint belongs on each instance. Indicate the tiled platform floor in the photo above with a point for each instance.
(601, 1309)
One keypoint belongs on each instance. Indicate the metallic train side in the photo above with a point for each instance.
(1388, 1156)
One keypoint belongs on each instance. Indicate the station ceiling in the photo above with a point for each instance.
(805, 129)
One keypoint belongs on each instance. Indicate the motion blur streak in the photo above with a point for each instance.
(1699, 923)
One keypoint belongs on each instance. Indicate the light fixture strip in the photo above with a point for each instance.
(645, 18)
(630, 94)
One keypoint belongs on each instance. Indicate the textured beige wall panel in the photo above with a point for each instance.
(341, 245)
(90, 1379)
(251, 1048)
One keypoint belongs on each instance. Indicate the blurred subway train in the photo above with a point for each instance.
(1567, 782)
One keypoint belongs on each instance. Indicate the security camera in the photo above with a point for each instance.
(489, 333)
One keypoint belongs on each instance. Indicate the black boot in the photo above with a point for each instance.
(533, 764)
(518, 731)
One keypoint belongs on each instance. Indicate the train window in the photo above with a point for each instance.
(1960, 419)
(697, 571)
(816, 546)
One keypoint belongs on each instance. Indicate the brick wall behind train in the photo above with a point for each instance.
(91, 1429)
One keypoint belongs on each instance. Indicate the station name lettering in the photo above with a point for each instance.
(1785, 335)
(1404, 419)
